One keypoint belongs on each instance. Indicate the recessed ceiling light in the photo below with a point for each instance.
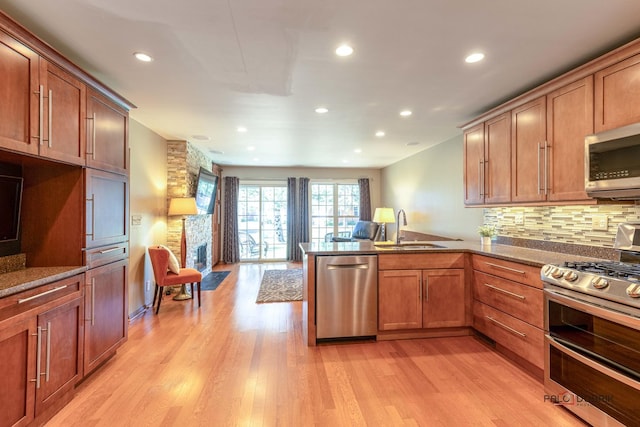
(251, 148)
(380, 133)
(255, 159)
(357, 150)
(474, 57)
(345, 161)
(201, 137)
(406, 113)
(344, 50)
(322, 110)
(216, 152)
(413, 143)
(242, 129)
(143, 57)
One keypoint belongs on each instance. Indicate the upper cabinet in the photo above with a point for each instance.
(108, 129)
(617, 94)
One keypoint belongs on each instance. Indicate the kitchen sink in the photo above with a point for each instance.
(411, 246)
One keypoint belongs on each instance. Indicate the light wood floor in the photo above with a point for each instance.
(234, 362)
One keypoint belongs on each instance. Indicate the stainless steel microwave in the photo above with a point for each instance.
(612, 163)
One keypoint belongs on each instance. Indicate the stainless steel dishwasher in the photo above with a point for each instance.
(346, 296)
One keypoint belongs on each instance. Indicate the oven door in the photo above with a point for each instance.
(592, 359)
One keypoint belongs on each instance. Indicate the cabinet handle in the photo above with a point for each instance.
(106, 251)
(93, 301)
(504, 291)
(484, 178)
(38, 356)
(480, 183)
(92, 200)
(546, 167)
(538, 171)
(426, 288)
(93, 136)
(40, 114)
(50, 140)
(48, 363)
(50, 291)
(512, 270)
(507, 328)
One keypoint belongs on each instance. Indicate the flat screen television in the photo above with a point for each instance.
(206, 189)
(10, 203)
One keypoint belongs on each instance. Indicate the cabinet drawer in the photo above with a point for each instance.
(37, 297)
(519, 337)
(106, 254)
(420, 261)
(520, 301)
(526, 274)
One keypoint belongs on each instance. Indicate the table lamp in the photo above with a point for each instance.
(183, 206)
(384, 216)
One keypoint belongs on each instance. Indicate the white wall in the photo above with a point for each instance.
(429, 187)
(148, 195)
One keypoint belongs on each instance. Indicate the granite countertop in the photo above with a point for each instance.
(534, 257)
(32, 277)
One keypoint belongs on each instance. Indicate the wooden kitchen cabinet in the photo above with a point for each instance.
(40, 328)
(569, 119)
(107, 208)
(528, 148)
(617, 94)
(106, 311)
(473, 165)
(108, 134)
(63, 119)
(18, 96)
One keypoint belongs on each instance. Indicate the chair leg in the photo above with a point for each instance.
(191, 290)
(199, 297)
(155, 294)
(159, 301)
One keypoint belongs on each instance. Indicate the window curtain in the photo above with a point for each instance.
(302, 218)
(365, 199)
(291, 219)
(230, 245)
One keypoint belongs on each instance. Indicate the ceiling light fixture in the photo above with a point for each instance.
(344, 50)
(406, 113)
(380, 134)
(201, 137)
(251, 148)
(412, 143)
(242, 129)
(322, 110)
(143, 57)
(474, 57)
(357, 150)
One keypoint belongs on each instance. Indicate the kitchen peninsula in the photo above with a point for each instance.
(438, 289)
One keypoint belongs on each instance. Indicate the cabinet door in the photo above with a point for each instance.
(474, 165)
(445, 298)
(19, 96)
(107, 208)
(497, 165)
(17, 382)
(64, 115)
(60, 350)
(108, 134)
(106, 310)
(528, 144)
(569, 120)
(399, 299)
(617, 95)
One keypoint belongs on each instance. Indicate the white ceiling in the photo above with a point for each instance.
(266, 65)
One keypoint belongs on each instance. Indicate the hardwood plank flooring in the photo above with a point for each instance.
(237, 363)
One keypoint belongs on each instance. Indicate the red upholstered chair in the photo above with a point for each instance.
(160, 262)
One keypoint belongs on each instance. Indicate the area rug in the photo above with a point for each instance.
(211, 281)
(280, 286)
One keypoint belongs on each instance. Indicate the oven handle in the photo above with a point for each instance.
(594, 365)
(607, 314)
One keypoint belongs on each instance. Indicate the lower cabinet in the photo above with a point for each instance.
(41, 348)
(417, 299)
(106, 310)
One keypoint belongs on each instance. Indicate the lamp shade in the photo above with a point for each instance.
(384, 215)
(183, 206)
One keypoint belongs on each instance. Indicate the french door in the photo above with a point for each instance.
(262, 221)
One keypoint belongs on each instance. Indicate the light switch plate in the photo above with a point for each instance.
(600, 223)
(136, 219)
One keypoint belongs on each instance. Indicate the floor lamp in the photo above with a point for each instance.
(383, 216)
(183, 206)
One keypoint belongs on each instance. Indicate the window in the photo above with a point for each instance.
(262, 221)
(334, 210)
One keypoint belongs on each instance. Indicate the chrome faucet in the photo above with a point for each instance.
(404, 222)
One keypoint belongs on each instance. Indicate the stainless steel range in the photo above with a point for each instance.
(592, 342)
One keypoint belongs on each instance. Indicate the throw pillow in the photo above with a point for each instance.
(174, 265)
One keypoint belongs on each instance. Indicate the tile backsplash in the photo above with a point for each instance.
(563, 224)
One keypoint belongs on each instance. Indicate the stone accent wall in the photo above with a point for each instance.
(183, 163)
(563, 224)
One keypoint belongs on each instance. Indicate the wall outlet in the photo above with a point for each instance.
(147, 285)
(519, 218)
(600, 223)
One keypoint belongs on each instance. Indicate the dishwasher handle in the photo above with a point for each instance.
(359, 266)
